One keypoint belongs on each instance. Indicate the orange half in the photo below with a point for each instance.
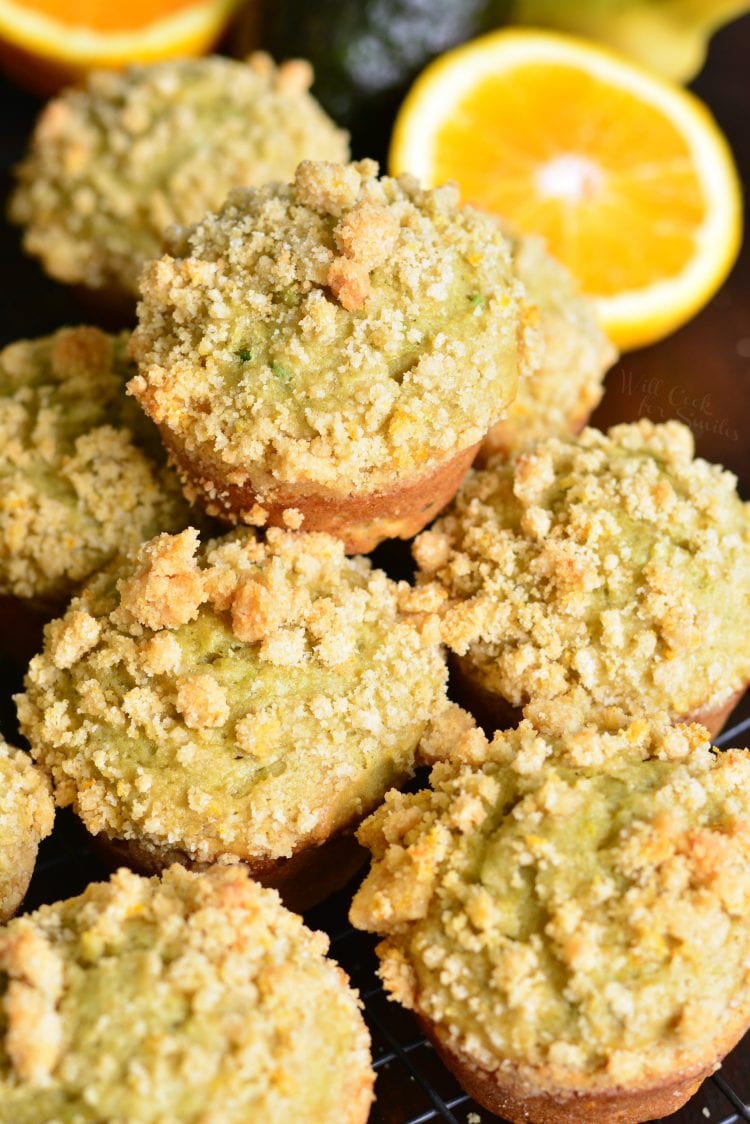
(46, 43)
(627, 176)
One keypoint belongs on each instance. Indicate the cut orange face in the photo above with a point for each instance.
(627, 177)
(46, 43)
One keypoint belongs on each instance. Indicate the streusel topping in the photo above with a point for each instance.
(82, 474)
(578, 907)
(342, 330)
(114, 163)
(191, 997)
(239, 699)
(611, 571)
(26, 817)
(574, 355)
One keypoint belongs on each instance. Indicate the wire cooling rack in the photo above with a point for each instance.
(413, 1086)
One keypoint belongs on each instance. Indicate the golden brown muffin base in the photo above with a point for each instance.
(492, 712)
(304, 880)
(715, 718)
(360, 520)
(502, 439)
(502, 1092)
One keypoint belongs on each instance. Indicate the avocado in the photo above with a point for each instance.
(366, 56)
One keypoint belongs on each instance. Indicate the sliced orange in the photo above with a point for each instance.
(47, 43)
(627, 176)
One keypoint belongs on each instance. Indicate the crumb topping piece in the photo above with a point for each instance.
(366, 237)
(342, 329)
(82, 474)
(239, 698)
(167, 588)
(573, 356)
(26, 816)
(603, 574)
(114, 163)
(218, 1003)
(577, 907)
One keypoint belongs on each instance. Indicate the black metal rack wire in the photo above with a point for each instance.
(413, 1086)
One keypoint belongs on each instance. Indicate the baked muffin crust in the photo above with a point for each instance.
(113, 164)
(190, 998)
(343, 332)
(81, 472)
(569, 912)
(239, 701)
(574, 354)
(26, 816)
(605, 573)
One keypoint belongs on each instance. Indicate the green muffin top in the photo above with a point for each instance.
(579, 907)
(608, 571)
(113, 163)
(82, 474)
(574, 355)
(242, 699)
(343, 330)
(196, 998)
(26, 817)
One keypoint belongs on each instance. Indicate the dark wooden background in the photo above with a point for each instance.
(701, 374)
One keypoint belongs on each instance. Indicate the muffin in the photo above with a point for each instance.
(559, 396)
(194, 998)
(604, 575)
(243, 701)
(337, 347)
(26, 817)
(569, 918)
(82, 473)
(112, 164)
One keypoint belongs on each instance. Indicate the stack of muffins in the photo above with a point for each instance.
(320, 355)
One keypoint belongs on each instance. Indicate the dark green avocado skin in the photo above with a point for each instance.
(366, 53)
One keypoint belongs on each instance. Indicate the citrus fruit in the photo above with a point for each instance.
(47, 43)
(669, 36)
(627, 176)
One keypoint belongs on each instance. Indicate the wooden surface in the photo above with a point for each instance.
(701, 375)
